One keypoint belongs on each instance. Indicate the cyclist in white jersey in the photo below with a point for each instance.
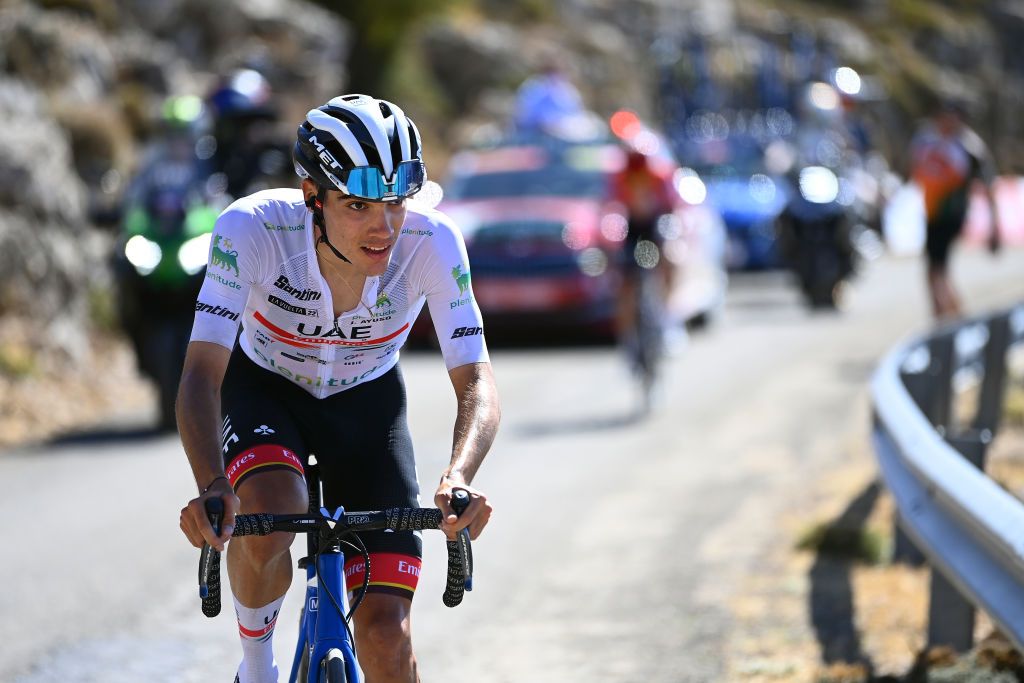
(326, 282)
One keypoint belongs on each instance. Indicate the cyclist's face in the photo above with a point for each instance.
(365, 232)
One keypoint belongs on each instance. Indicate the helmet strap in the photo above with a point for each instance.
(316, 204)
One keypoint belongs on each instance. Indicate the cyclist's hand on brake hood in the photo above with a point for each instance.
(476, 515)
(195, 523)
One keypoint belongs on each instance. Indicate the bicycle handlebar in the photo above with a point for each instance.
(460, 555)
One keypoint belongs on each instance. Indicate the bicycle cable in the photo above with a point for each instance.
(366, 581)
(320, 584)
(361, 548)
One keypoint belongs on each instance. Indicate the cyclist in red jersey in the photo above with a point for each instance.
(645, 191)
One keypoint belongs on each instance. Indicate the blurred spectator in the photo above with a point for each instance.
(547, 100)
(946, 157)
(247, 154)
(175, 160)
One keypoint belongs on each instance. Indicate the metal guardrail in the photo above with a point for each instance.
(970, 530)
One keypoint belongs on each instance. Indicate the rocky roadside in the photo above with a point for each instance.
(48, 396)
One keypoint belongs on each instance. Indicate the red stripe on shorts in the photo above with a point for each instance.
(262, 456)
(387, 570)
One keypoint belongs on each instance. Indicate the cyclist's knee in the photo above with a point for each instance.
(277, 492)
(383, 630)
(262, 551)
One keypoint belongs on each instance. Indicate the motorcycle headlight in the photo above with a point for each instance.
(192, 255)
(818, 185)
(689, 186)
(143, 253)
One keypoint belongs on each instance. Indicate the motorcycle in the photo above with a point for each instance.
(159, 270)
(816, 235)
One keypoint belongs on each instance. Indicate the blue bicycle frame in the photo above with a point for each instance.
(324, 629)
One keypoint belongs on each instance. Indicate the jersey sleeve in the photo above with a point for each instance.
(233, 267)
(448, 288)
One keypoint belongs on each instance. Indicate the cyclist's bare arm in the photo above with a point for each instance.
(476, 423)
(198, 411)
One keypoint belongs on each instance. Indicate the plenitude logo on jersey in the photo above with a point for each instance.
(284, 285)
(383, 309)
(222, 280)
(462, 280)
(220, 311)
(283, 228)
(224, 258)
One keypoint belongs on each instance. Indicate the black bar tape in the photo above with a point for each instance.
(412, 519)
(456, 586)
(211, 603)
(260, 524)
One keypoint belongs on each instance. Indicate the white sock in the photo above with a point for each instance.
(256, 631)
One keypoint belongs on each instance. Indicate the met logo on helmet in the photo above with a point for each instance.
(325, 156)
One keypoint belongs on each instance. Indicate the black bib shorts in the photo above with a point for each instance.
(361, 441)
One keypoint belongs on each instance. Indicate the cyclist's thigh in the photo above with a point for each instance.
(263, 447)
(362, 442)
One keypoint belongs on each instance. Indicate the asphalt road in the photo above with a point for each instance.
(616, 545)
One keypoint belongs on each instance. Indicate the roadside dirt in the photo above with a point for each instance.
(48, 396)
(845, 613)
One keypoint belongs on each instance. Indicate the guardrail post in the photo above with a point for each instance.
(950, 615)
(941, 408)
(993, 384)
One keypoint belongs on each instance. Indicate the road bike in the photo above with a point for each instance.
(648, 350)
(325, 652)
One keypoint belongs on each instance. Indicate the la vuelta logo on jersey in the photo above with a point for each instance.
(315, 335)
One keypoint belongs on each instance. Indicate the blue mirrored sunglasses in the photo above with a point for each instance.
(368, 182)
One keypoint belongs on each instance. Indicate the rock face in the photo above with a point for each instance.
(45, 255)
(79, 85)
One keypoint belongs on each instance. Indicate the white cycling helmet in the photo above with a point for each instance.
(363, 147)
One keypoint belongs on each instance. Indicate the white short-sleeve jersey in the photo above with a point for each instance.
(263, 273)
